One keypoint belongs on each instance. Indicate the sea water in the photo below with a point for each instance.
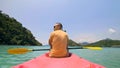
(108, 57)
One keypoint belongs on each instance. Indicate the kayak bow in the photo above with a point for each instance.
(73, 61)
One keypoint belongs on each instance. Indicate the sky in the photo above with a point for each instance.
(84, 20)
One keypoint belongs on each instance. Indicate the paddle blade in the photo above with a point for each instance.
(94, 48)
(18, 51)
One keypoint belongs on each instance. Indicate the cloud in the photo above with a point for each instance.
(111, 30)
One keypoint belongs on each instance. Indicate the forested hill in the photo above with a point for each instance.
(13, 33)
(106, 43)
(73, 43)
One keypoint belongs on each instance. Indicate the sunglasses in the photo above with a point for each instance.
(54, 26)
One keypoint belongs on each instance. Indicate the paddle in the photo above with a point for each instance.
(25, 50)
(93, 48)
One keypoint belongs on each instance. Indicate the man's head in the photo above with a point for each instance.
(58, 26)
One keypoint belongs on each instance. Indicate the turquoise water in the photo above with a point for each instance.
(108, 57)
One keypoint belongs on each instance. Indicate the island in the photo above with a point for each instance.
(13, 33)
(105, 43)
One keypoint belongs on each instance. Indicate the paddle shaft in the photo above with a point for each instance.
(49, 49)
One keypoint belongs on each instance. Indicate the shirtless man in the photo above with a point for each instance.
(58, 42)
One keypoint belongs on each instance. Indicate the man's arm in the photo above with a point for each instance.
(50, 44)
(67, 43)
(50, 40)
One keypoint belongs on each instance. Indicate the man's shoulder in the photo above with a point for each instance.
(62, 32)
(58, 31)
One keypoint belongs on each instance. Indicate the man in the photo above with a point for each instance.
(58, 42)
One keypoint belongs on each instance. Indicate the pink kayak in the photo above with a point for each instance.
(44, 61)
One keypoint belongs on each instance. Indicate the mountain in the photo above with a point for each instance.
(13, 33)
(106, 43)
(84, 43)
(72, 43)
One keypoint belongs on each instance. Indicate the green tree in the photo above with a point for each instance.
(13, 33)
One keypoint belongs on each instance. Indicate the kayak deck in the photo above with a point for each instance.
(44, 61)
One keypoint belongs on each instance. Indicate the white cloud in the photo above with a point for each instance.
(111, 30)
